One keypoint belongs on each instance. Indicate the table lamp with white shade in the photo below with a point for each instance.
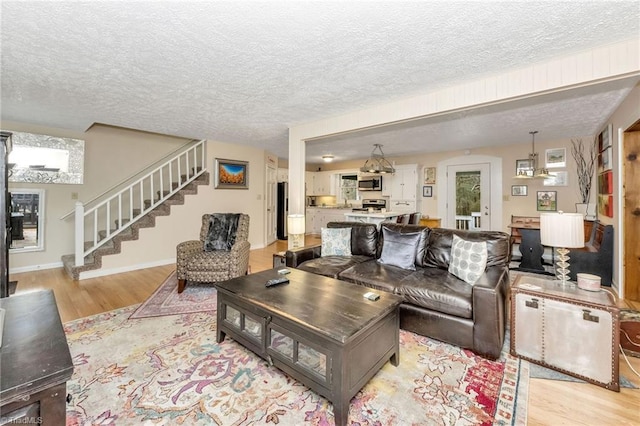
(563, 231)
(296, 229)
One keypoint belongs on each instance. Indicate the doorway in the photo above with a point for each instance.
(270, 204)
(469, 196)
(490, 189)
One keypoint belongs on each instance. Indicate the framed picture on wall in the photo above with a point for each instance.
(604, 138)
(429, 175)
(547, 201)
(556, 157)
(519, 190)
(557, 179)
(605, 205)
(604, 160)
(231, 174)
(427, 191)
(524, 167)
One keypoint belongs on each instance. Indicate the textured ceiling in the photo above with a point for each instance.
(244, 72)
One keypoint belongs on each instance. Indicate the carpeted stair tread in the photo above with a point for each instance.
(94, 260)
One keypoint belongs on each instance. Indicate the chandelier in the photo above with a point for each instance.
(377, 163)
(533, 171)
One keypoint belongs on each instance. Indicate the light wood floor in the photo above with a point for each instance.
(550, 402)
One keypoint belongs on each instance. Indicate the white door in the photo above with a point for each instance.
(469, 196)
(270, 202)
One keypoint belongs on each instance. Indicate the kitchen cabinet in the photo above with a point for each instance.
(282, 175)
(324, 183)
(310, 217)
(404, 183)
(308, 183)
(318, 218)
(403, 194)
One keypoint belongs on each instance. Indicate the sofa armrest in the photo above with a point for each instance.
(489, 311)
(295, 257)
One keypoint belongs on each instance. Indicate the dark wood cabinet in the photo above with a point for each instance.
(5, 208)
(35, 362)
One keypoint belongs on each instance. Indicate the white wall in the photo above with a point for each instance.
(158, 245)
(112, 154)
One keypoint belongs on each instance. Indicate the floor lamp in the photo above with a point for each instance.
(563, 231)
(296, 229)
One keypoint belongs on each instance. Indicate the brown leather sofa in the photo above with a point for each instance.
(436, 303)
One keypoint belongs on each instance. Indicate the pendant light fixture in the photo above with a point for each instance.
(377, 163)
(533, 171)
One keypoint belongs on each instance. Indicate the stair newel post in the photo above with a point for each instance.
(79, 224)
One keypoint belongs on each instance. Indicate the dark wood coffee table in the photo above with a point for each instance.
(318, 330)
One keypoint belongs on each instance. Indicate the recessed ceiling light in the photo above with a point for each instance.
(327, 158)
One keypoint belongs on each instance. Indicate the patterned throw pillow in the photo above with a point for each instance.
(468, 259)
(336, 241)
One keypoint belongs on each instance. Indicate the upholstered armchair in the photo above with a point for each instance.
(219, 255)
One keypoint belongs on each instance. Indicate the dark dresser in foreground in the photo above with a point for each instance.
(35, 363)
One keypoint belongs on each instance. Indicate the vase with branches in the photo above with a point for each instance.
(585, 157)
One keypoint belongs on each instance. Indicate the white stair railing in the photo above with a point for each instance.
(119, 211)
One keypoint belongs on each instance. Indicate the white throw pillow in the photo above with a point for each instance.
(336, 241)
(468, 259)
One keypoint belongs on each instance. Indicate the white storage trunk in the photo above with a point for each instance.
(567, 329)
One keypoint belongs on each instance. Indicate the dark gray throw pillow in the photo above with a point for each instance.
(399, 249)
(222, 231)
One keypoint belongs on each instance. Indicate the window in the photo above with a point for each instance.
(348, 187)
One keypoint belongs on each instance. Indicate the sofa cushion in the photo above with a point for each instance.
(336, 242)
(468, 259)
(364, 237)
(399, 249)
(436, 289)
(331, 266)
(409, 229)
(438, 253)
(375, 275)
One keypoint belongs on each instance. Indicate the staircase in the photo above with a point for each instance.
(142, 199)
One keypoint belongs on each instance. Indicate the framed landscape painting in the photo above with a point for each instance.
(556, 157)
(231, 174)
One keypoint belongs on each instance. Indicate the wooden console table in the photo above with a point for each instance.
(35, 362)
(431, 222)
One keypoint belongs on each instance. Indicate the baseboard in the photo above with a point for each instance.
(104, 272)
(32, 268)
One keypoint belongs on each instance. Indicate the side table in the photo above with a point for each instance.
(35, 362)
(574, 331)
(279, 259)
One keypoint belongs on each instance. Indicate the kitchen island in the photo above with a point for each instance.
(377, 217)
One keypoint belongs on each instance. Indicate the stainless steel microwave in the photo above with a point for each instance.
(370, 183)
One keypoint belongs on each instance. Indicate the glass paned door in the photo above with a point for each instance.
(468, 196)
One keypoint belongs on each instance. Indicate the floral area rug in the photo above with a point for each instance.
(169, 370)
(196, 297)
